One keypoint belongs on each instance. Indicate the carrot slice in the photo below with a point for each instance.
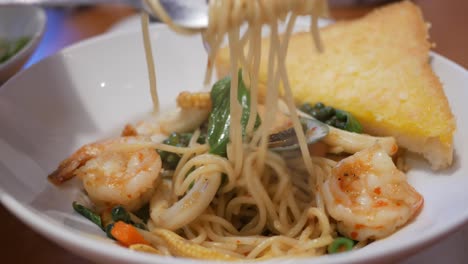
(127, 234)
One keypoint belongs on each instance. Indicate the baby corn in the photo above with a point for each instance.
(196, 100)
(179, 246)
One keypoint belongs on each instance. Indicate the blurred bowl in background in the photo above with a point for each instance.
(345, 3)
(19, 24)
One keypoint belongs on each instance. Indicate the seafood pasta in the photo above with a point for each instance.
(238, 175)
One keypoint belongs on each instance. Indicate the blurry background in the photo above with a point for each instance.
(448, 18)
(67, 26)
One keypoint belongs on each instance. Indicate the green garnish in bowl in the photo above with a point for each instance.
(8, 48)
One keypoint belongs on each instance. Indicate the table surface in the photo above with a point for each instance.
(449, 32)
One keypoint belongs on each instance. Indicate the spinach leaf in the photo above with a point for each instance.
(220, 117)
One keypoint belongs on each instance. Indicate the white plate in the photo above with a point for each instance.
(89, 91)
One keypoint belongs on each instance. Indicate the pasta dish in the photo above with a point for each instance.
(236, 174)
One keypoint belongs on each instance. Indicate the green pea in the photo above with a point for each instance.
(108, 230)
(120, 214)
(340, 244)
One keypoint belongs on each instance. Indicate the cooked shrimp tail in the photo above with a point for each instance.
(368, 196)
(122, 171)
(66, 169)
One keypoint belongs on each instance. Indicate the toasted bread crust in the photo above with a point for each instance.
(377, 67)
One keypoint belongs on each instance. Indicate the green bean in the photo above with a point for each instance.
(86, 212)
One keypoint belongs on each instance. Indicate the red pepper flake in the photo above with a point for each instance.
(359, 226)
(380, 203)
(354, 235)
(378, 191)
(394, 149)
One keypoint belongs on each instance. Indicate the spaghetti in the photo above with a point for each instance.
(260, 196)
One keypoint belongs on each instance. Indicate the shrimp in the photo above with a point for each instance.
(121, 171)
(368, 196)
(193, 110)
(178, 120)
(344, 141)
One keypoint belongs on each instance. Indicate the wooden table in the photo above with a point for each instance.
(22, 245)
